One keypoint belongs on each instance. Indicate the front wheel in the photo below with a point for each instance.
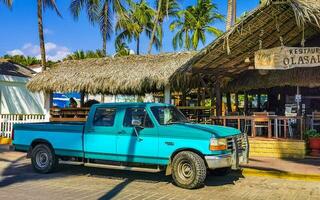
(43, 159)
(188, 170)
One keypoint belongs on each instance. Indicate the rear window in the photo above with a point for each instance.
(104, 117)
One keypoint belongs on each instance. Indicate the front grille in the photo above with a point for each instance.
(230, 143)
(241, 141)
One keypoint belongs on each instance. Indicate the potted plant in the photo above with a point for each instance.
(313, 137)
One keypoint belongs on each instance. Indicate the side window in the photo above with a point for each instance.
(104, 117)
(137, 114)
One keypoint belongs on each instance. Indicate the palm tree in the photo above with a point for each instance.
(193, 23)
(122, 49)
(231, 15)
(80, 55)
(8, 3)
(99, 12)
(40, 5)
(165, 8)
(137, 20)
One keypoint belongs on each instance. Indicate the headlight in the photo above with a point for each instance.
(218, 144)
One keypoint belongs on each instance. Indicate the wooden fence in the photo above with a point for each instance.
(7, 121)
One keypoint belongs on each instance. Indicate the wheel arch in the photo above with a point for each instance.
(186, 149)
(35, 142)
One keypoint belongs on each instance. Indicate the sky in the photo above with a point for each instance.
(19, 29)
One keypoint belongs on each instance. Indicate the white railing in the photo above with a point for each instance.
(7, 121)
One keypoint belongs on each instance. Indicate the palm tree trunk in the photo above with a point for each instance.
(104, 29)
(156, 20)
(231, 15)
(138, 45)
(41, 36)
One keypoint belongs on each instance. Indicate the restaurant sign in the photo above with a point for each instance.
(287, 57)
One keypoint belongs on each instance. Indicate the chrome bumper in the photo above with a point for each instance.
(240, 154)
(221, 161)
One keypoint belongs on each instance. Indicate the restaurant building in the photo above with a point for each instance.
(270, 62)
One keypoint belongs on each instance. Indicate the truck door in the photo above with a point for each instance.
(101, 134)
(139, 142)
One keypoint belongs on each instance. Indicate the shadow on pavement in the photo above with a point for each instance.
(20, 171)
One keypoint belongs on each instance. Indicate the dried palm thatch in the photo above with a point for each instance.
(274, 23)
(122, 75)
(254, 79)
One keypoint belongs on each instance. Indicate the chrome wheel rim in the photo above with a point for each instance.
(42, 159)
(185, 170)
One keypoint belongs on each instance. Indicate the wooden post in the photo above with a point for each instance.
(102, 98)
(167, 94)
(212, 95)
(47, 104)
(198, 96)
(259, 102)
(237, 102)
(218, 99)
(82, 95)
(184, 98)
(229, 107)
(245, 103)
(298, 102)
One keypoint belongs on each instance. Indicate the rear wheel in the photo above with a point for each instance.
(188, 170)
(43, 159)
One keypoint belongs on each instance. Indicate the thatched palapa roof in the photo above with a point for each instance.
(274, 23)
(134, 74)
(254, 79)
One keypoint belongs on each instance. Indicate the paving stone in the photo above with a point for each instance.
(18, 181)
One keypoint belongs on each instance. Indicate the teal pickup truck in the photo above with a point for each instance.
(144, 134)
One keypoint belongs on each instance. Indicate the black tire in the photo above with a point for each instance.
(43, 159)
(188, 170)
(221, 171)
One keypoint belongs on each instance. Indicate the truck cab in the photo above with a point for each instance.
(144, 133)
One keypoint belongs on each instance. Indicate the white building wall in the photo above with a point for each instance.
(15, 98)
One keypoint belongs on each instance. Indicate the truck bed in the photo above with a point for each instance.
(66, 137)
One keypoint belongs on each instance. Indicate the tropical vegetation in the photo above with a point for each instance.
(8, 3)
(80, 54)
(41, 4)
(194, 23)
(100, 12)
(137, 20)
(23, 60)
(130, 19)
(26, 60)
(165, 9)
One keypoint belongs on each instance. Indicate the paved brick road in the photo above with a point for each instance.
(18, 181)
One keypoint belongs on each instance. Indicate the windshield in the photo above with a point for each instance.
(168, 115)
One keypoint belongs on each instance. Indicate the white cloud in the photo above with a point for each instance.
(15, 52)
(54, 52)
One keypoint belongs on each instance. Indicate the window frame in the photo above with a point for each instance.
(101, 108)
(143, 124)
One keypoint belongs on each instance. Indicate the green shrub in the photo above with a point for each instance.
(312, 134)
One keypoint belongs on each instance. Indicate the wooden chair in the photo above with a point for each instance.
(261, 121)
(315, 120)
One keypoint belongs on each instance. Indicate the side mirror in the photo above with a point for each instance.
(136, 123)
